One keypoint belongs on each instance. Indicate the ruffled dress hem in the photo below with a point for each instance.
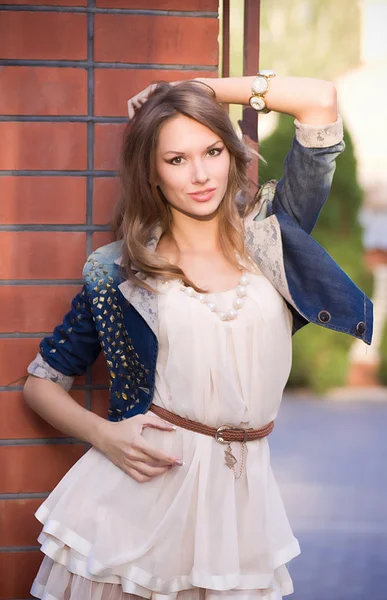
(69, 555)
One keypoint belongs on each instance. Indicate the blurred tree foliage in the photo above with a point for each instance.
(320, 358)
(314, 38)
(383, 366)
(309, 38)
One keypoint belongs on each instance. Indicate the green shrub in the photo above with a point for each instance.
(383, 365)
(320, 356)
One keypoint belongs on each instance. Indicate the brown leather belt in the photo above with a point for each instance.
(223, 434)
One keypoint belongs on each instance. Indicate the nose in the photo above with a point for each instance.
(199, 172)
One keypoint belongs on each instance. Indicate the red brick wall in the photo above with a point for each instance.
(67, 70)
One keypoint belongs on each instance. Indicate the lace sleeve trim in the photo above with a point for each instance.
(40, 368)
(319, 136)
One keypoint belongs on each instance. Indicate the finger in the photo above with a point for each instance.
(148, 91)
(135, 455)
(142, 100)
(156, 454)
(139, 477)
(150, 471)
(157, 423)
(130, 110)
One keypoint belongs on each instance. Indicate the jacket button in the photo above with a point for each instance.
(324, 316)
(360, 328)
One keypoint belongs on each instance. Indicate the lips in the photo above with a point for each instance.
(204, 195)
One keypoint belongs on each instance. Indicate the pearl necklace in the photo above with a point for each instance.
(238, 301)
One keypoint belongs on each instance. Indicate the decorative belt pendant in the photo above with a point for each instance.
(229, 458)
(231, 461)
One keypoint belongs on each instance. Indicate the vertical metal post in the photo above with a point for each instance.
(226, 39)
(249, 123)
(251, 37)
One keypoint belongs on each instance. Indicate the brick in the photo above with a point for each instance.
(105, 196)
(43, 91)
(200, 5)
(15, 355)
(34, 308)
(42, 255)
(101, 239)
(43, 200)
(17, 571)
(51, 146)
(18, 526)
(100, 402)
(18, 421)
(43, 35)
(130, 82)
(47, 2)
(36, 468)
(158, 40)
(108, 145)
(99, 371)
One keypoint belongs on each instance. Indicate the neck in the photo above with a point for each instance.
(195, 235)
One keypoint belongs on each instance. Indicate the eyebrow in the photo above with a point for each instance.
(179, 152)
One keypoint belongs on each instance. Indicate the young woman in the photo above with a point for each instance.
(194, 307)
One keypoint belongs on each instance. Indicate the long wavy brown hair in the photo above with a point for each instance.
(142, 207)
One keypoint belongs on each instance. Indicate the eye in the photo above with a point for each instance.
(215, 151)
(177, 160)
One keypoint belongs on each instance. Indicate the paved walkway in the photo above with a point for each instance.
(330, 460)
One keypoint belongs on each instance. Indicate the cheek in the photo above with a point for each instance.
(173, 179)
(222, 170)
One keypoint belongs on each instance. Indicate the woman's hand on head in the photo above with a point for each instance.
(124, 445)
(139, 99)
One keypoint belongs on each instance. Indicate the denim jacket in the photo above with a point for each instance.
(113, 314)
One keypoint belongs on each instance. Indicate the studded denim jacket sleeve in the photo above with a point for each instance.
(72, 347)
(308, 172)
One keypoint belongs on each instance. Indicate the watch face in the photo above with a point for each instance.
(257, 103)
(259, 85)
(267, 72)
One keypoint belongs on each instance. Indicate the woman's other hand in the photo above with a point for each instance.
(139, 99)
(124, 445)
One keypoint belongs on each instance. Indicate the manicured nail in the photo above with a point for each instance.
(179, 462)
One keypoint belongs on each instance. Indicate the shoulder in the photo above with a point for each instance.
(104, 261)
(262, 202)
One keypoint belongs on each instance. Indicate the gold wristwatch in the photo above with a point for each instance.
(259, 87)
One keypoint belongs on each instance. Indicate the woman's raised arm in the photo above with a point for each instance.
(311, 101)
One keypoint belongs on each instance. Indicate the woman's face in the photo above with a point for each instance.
(192, 166)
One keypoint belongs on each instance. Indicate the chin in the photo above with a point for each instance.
(207, 209)
(198, 210)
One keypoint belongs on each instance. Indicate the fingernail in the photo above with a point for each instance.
(179, 462)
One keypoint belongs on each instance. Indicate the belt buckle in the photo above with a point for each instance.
(222, 428)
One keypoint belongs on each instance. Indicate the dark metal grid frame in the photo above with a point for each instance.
(90, 173)
(111, 11)
(251, 42)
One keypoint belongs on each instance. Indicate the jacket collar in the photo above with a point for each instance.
(143, 300)
(263, 241)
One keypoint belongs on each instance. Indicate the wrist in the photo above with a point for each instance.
(100, 433)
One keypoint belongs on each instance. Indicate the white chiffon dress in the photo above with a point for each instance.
(196, 532)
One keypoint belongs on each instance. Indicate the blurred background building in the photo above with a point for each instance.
(363, 98)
